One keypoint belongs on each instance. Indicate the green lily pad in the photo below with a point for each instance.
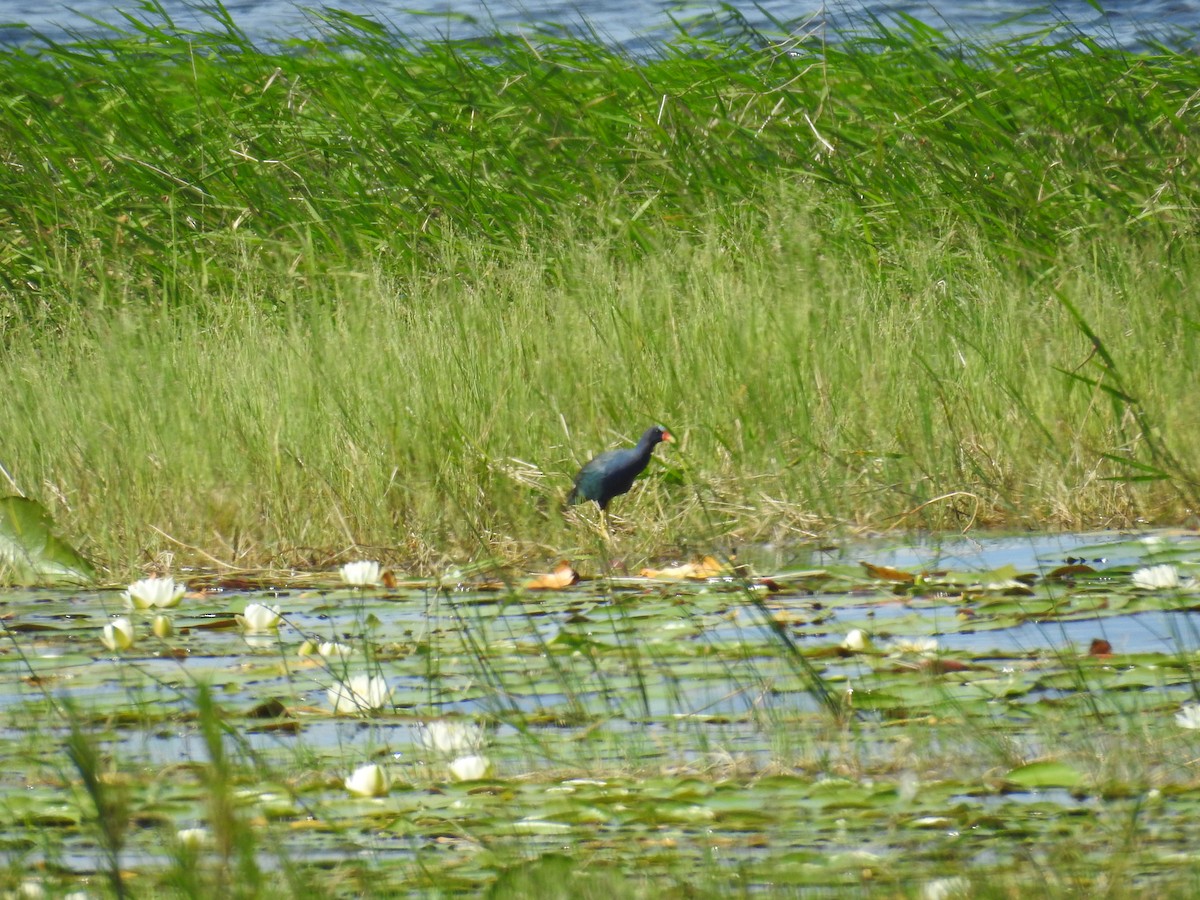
(30, 553)
(1047, 773)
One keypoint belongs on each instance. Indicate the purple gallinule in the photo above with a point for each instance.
(612, 473)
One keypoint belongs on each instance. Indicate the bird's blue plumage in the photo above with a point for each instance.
(612, 473)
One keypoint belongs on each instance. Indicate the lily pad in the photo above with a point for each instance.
(1046, 773)
(30, 553)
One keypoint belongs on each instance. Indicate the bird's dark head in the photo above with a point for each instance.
(658, 434)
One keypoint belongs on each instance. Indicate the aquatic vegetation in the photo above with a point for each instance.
(458, 745)
(153, 593)
(361, 693)
(118, 635)
(1160, 577)
(30, 550)
(334, 651)
(162, 627)
(953, 888)
(266, 271)
(903, 646)
(856, 640)
(1188, 717)
(450, 738)
(194, 838)
(599, 719)
(258, 618)
(368, 781)
(363, 573)
(470, 768)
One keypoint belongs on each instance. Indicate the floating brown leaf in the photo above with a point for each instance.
(788, 617)
(1062, 573)
(884, 573)
(563, 576)
(941, 666)
(708, 567)
(268, 709)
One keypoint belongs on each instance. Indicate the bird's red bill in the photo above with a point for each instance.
(668, 437)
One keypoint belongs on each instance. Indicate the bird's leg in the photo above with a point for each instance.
(609, 548)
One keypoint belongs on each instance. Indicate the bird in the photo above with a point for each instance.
(612, 473)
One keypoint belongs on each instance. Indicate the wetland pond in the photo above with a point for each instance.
(962, 715)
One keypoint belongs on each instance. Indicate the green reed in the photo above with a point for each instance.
(270, 304)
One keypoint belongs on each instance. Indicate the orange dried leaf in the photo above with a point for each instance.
(671, 572)
(563, 576)
(788, 617)
(884, 573)
(668, 572)
(708, 567)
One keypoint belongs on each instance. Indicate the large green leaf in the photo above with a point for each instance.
(30, 553)
(1046, 773)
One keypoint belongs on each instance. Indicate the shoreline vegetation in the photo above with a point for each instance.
(366, 303)
(281, 307)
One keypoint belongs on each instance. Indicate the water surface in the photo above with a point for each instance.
(636, 25)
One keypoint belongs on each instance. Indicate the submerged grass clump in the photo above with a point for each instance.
(262, 306)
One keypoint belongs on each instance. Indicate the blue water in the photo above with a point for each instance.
(633, 24)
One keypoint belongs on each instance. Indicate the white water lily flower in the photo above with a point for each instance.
(913, 646)
(259, 619)
(856, 640)
(332, 650)
(448, 738)
(1008, 584)
(162, 627)
(1188, 716)
(360, 694)
(193, 838)
(363, 573)
(946, 888)
(368, 781)
(470, 768)
(117, 635)
(1157, 578)
(153, 593)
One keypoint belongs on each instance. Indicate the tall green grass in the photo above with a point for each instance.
(273, 305)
